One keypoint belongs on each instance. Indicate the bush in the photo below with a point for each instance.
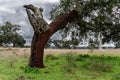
(28, 69)
(82, 57)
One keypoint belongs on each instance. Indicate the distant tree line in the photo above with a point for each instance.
(68, 44)
(9, 35)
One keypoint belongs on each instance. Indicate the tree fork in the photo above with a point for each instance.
(39, 40)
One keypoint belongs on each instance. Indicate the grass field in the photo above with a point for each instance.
(61, 65)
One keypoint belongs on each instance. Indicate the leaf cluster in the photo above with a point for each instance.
(94, 16)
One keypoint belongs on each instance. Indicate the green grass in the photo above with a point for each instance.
(62, 67)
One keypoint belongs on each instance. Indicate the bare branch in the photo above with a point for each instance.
(31, 7)
(36, 19)
(33, 21)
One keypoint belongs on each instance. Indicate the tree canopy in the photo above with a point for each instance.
(94, 16)
(9, 35)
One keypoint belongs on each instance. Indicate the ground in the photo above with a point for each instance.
(68, 64)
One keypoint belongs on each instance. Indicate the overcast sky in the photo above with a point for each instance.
(12, 10)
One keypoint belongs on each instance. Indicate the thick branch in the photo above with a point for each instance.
(59, 23)
(62, 21)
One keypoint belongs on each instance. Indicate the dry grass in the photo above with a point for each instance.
(113, 52)
(22, 51)
(14, 51)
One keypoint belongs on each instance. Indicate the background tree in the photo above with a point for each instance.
(95, 16)
(117, 44)
(66, 44)
(18, 41)
(9, 35)
(48, 45)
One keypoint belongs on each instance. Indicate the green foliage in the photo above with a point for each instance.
(66, 44)
(118, 44)
(18, 40)
(94, 16)
(8, 35)
(97, 63)
(82, 57)
(28, 69)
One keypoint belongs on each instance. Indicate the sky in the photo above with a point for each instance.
(13, 11)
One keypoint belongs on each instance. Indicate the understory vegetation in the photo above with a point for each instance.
(69, 66)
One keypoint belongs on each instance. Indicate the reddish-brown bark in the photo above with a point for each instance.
(39, 40)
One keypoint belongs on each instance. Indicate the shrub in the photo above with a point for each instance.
(28, 69)
(82, 57)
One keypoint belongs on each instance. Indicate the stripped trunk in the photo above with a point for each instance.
(100, 40)
(39, 40)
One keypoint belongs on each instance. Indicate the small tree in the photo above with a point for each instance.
(18, 41)
(8, 35)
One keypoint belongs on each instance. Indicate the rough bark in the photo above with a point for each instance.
(39, 40)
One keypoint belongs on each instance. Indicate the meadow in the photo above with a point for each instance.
(61, 65)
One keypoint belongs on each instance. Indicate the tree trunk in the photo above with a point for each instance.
(39, 40)
(100, 40)
(14, 45)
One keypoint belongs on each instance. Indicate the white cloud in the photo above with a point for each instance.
(44, 1)
(2, 9)
(22, 23)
